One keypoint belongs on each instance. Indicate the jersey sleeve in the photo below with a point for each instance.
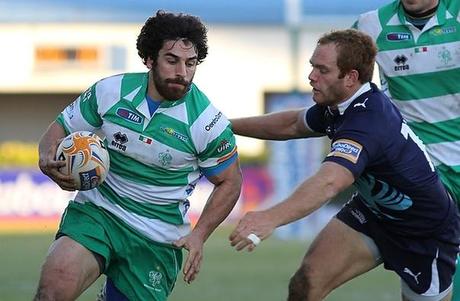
(82, 114)
(315, 119)
(214, 141)
(355, 145)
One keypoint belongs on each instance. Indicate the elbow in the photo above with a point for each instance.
(331, 190)
(238, 183)
(334, 185)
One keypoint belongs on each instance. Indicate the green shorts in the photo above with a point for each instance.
(139, 267)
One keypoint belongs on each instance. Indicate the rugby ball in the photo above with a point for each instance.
(86, 157)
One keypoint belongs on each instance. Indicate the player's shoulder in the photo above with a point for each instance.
(453, 6)
(197, 94)
(369, 107)
(125, 79)
(372, 22)
(120, 85)
(196, 101)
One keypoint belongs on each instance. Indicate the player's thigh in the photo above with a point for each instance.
(338, 254)
(69, 267)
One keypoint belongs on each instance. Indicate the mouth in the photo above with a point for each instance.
(176, 85)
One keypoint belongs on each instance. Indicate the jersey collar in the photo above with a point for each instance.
(344, 105)
(442, 14)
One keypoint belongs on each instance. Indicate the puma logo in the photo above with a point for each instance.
(406, 270)
(361, 104)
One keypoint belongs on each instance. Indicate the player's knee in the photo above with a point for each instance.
(306, 285)
(46, 293)
(53, 289)
(301, 284)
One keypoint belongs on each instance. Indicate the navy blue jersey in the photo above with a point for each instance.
(393, 175)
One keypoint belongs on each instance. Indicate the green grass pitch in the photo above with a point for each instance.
(225, 274)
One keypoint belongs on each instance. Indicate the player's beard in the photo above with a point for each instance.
(164, 89)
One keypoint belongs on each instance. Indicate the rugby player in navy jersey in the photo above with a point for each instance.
(401, 215)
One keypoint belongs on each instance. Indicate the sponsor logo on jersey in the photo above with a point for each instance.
(129, 115)
(86, 95)
(398, 36)
(186, 207)
(213, 122)
(361, 104)
(442, 31)
(120, 140)
(401, 61)
(70, 110)
(227, 156)
(347, 149)
(224, 144)
(174, 133)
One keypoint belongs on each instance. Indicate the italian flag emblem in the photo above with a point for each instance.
(421, 49)
(145, 139)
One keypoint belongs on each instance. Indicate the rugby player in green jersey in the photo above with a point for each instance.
(419, 64)
(163, 135)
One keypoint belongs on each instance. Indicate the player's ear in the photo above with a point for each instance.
(352, 78)
(149, 62)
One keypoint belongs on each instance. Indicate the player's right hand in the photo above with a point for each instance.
(52, 168)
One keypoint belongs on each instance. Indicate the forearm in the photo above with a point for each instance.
(218, 207)
(311, 195)
(53, 133)
(275, 126)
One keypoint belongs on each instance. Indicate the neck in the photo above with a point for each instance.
(428, 12)
(352, 91)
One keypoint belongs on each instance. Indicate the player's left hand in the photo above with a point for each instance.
(258, 223)
(194, 245)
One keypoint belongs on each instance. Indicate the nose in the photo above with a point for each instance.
(312, 75)
(181, 69)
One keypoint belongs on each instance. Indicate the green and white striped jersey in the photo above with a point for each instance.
(420, 71)
(155, 161)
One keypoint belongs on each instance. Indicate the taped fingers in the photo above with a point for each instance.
(254, 239)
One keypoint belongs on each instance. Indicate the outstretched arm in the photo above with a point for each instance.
(219, 205)
(331, 179)
(274, 126)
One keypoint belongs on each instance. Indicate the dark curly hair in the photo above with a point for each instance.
(355, 50)
(166, 26)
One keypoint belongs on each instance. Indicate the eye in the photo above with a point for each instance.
(191, 64)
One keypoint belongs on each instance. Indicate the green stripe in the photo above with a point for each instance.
(450, 176)
(88, 107)
(197, 106)
(434, 84)
(144, 174)
(60, 120)
(132, 81)
(169, 213)
(444, 131)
